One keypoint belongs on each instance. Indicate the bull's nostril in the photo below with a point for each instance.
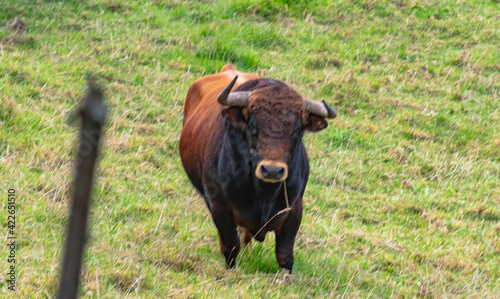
(271, 171)
(264, 171)
(274, 173)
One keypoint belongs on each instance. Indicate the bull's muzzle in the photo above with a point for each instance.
(271, 171)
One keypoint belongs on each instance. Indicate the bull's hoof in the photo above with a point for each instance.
(287, 270)
(231, 264)
(230, 260)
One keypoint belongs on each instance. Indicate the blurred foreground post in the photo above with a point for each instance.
(93, 115)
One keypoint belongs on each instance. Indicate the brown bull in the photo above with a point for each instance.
(241, 149)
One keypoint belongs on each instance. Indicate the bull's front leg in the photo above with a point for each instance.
(285, 236)
(228, 236)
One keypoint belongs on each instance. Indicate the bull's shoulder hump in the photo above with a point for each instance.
(201, 88)
(228, 67)
(202, 95)
(215, 83)
(229, 71)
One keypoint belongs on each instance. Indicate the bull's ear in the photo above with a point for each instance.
(234, 115)
(315, 123)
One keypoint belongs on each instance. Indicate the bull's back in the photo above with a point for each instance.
(204, 91)
(203, 123)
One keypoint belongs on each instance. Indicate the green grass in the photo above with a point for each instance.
(403, 198)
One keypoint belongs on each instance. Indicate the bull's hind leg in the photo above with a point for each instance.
(285, 236)
(228, 236)
(247, 237)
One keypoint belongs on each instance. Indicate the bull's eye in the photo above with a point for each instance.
(297, 128)
(296, 136)
(252, 132)
(252, 126)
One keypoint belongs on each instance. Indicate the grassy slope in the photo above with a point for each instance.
(403, 197)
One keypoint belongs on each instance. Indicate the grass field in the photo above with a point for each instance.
(404, 194)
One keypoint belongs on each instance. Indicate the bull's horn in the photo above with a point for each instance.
(222, 98)
(332, 113)
(238, 98)
(321, 109)
(228, 98)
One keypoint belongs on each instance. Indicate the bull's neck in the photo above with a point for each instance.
(267, 192)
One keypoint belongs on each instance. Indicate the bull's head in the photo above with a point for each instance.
(274, 118)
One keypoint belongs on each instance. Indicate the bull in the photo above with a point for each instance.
(243, 152)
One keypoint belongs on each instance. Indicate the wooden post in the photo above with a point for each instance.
(93, 114)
